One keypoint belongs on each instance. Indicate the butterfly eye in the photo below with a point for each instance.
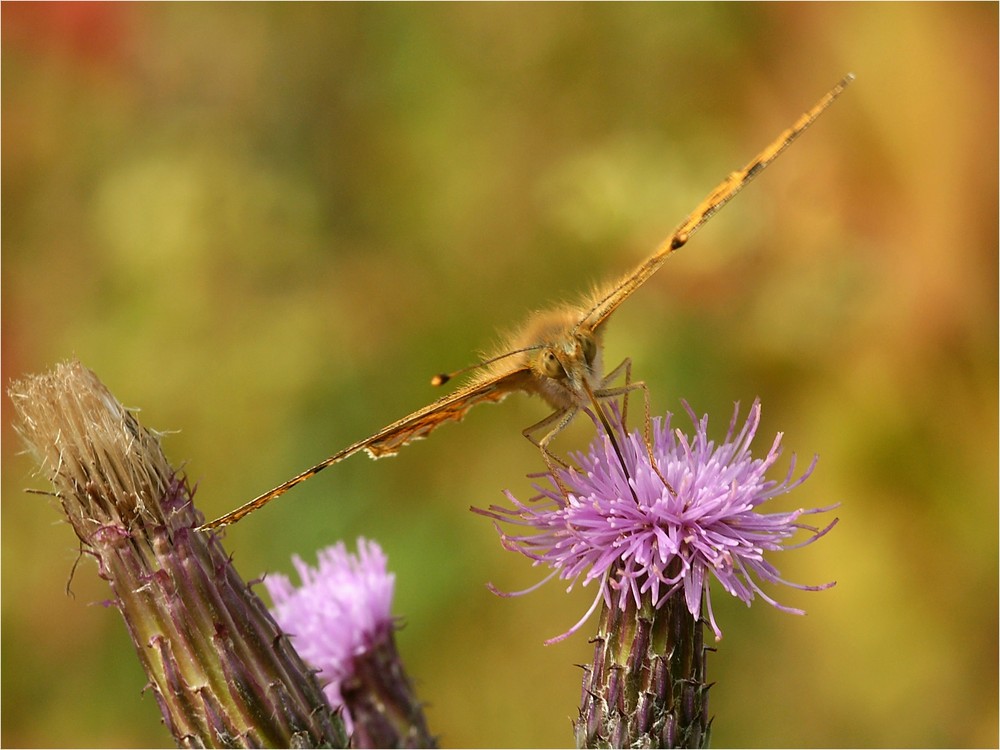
(589, 348)
(550, 364)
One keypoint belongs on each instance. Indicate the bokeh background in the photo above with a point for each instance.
(267, 225)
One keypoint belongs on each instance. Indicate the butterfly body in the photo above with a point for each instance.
(557, 359)
(556, 354)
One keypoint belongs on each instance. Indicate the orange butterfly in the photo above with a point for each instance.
(557, 353)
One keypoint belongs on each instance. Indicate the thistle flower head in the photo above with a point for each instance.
(664, 519)
(340, 621)
(341, 609)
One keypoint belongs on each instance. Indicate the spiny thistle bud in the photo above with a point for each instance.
(222, 672)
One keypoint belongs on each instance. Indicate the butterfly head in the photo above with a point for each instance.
(553, 355)
(563, 367)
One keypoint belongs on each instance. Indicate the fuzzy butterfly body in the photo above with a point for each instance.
(557, 353)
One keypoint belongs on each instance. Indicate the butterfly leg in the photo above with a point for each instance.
(624, 366)
(604, 392)
(561, 419)
(624, 391)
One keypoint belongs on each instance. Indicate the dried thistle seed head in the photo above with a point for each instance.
(217, 664)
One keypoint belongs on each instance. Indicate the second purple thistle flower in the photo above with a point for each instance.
(663, 529)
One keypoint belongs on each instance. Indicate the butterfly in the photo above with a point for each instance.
(557, 353)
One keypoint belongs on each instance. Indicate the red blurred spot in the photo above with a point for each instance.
(85, 32)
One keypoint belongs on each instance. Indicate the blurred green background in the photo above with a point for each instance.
(267, 225)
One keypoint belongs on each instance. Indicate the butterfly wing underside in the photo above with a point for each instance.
(388, 440)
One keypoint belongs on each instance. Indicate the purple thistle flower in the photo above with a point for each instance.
(340, 621)
(648, 530)
(338, 612)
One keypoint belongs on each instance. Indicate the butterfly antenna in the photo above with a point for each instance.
(443, 377)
